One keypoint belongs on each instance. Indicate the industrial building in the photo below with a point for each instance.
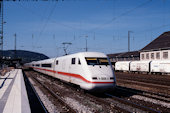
(158, 49)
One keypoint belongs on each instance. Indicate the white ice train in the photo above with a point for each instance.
(91, 71)
(154, 66)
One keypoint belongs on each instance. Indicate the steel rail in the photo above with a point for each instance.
(88, 95)
(71, 110)
(153, 95)
(30, 86)
(97, 99)
(144, 83)
(126, 102)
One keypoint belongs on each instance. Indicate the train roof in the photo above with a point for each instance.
(84, 54)
(143, 61)
(160, 61)
(123, 61)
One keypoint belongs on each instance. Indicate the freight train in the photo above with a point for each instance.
(91, 71)
(151, 66)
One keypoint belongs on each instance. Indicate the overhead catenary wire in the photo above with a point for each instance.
(122, 14)
(48, 18)
(42, 16)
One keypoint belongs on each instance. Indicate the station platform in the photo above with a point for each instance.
(13, 94)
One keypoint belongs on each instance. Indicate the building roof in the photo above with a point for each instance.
(124, 54)
(160, 43)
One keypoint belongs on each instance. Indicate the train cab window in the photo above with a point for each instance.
(57, 62)
(92, 61)
(158, 55)
(103, 61)
(79, 62)
(32, 64)
(73, 61)
(97, 61)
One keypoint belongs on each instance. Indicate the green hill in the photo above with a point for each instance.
(25, 56)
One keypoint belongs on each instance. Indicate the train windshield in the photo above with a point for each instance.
(97, 61)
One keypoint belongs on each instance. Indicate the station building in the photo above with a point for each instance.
(158, 49)
(125, 56)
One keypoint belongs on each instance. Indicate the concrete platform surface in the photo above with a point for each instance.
(13, 95)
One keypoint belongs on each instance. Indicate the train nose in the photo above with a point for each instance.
(102, 78)
(100, 88)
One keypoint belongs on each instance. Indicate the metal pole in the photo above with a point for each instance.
(15, 47)
(2, 25)
(32, 41)
(128, 41)
(1, 30)
(86, 43)
(1, 34)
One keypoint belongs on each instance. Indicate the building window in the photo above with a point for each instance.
(152, 55)
(165, 55)
(147, 55)
(158, 55)
(143, 56)
(73, 61)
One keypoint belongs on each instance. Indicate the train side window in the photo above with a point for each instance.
(57, 62)
(79, 62)
(38, 65)
(46, 65)
(73, 61)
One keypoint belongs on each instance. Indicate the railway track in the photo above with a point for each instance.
(109, 101)
(157, 96)
(36, 104)
(145, 84)
(130, 106)
(105, 105)
(162, 80)
(147, 87)
(66, 107)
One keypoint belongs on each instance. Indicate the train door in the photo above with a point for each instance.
(72, 68)
(65, 70)
(75, 69)
(55, 67)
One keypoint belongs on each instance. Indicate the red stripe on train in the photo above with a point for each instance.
(73, 75)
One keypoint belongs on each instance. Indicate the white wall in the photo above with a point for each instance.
(150, 52)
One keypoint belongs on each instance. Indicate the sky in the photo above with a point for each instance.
(44, 25)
